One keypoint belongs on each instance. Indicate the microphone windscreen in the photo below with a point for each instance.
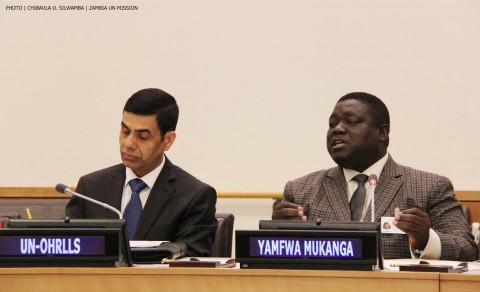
(372, 179)
(61, 188)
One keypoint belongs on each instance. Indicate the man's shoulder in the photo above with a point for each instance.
(416, 176)
(316, 176)
(185, 178)
(412, 172)
(108, 171)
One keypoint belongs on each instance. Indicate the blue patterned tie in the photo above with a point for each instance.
(133, 211)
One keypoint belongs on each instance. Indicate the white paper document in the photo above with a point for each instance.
(145, 243)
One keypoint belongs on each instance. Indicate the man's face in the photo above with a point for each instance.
(353, 138)
(141, 143)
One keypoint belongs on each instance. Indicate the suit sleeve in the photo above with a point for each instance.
(288, 193)
(198, 225)
(448, 221)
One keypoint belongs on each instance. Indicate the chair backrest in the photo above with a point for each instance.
(222, 245)
(466, 212)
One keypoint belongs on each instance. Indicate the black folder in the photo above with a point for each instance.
(155, 255)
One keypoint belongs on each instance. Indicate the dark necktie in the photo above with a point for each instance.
(358, 197)
(133, 211)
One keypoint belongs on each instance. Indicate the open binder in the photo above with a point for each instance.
(155, 255)
(202, 263)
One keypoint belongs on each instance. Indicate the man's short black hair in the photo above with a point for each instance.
(154, 101)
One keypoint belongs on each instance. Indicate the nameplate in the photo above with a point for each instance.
(314, 248)
(307, 249)
(50, 243)
(32, 245)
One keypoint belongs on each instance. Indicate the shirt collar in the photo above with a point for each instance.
(375, 168)
(149, 178)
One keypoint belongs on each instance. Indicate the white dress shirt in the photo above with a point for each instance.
(149, 180)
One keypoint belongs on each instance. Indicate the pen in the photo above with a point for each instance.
(29, 215)
(167, 261)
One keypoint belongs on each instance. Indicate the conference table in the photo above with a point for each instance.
(155, 278)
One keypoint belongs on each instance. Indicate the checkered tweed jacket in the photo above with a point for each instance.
(323, 193)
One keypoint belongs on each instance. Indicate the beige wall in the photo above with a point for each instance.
(255, 81)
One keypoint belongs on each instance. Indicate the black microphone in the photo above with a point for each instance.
(372, 180)
(61, 188)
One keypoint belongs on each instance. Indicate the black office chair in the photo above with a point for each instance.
(466, 213)
(222, 245)
(5, 217)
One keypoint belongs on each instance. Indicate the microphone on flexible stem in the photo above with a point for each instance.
(372, 180)
(61, 188)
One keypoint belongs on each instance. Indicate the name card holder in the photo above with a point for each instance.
(308, 249)
(56, 243)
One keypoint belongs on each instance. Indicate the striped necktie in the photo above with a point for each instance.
(133, 211)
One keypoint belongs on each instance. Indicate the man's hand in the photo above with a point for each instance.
(416, 224)
(288, 211)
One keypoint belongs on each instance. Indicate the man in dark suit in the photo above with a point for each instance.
(167, 204)
(422, 205)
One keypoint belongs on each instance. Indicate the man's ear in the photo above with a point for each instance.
(169, 138)
(384, 131)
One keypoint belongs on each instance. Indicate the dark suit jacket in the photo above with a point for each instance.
(180, 208)
(323, 193)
